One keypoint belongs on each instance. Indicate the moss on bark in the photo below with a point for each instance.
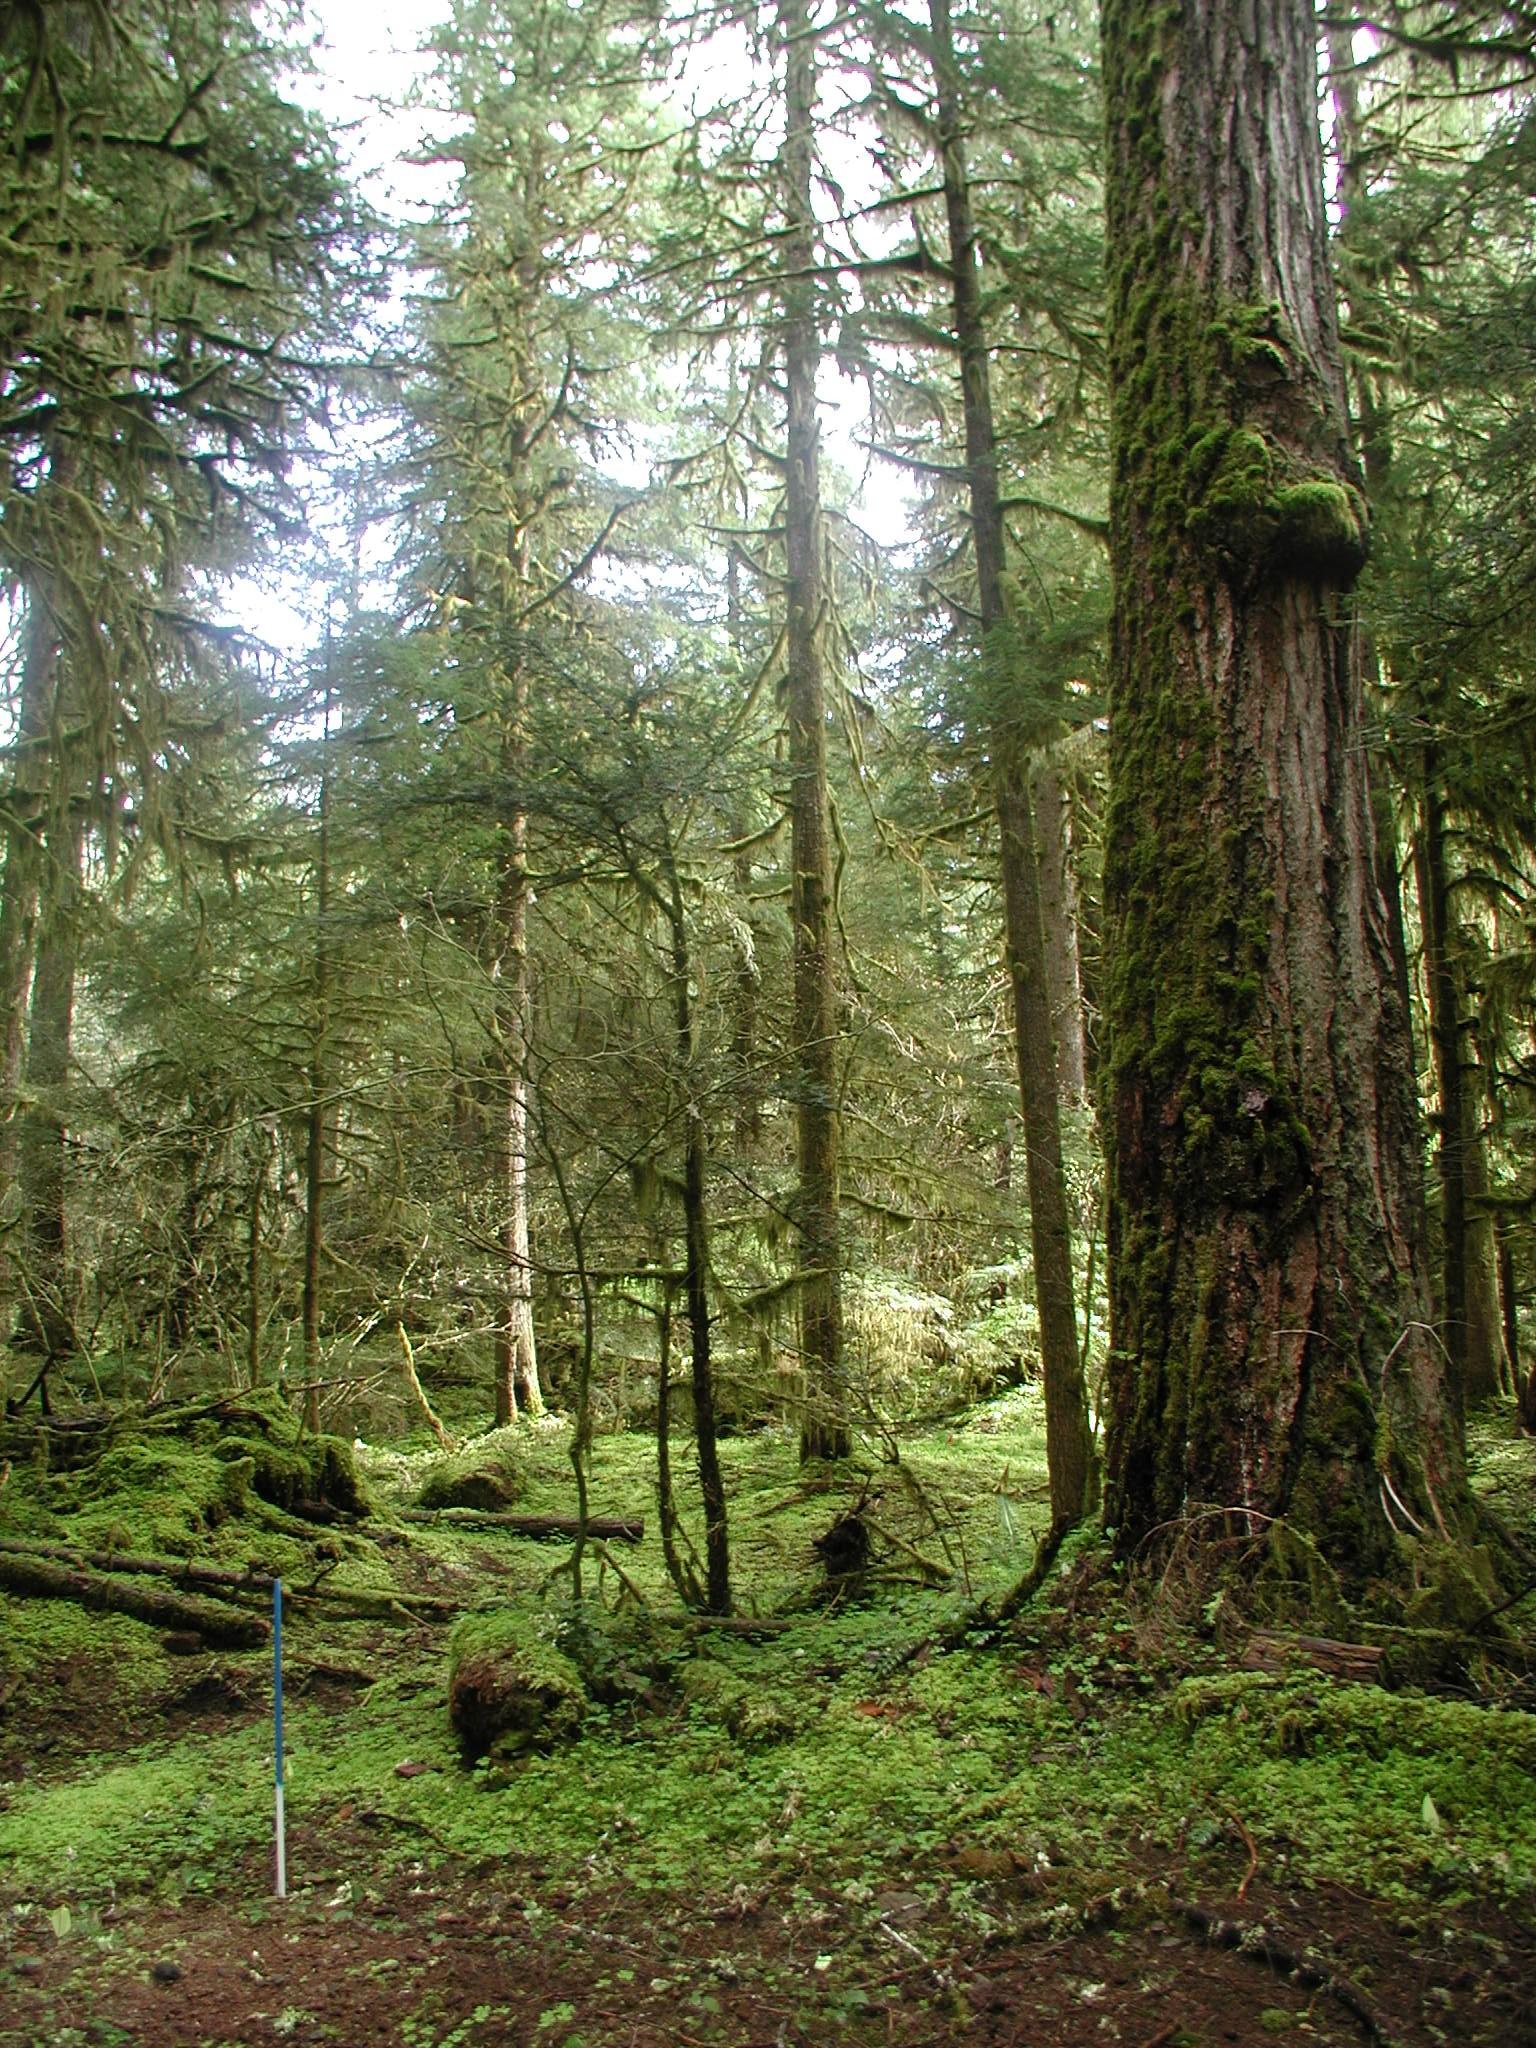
(1265, 1210)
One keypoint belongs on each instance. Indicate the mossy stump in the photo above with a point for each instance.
(510, 1689)
(486, 1475)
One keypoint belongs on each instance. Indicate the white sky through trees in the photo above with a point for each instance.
(369, 75)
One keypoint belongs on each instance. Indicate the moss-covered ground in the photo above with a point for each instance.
(1045, 1789)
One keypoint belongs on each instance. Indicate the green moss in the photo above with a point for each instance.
(1322, 528)
(510, 1688)
(486, 1474)
(159, 1494)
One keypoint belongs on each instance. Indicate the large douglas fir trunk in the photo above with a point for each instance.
(1269, 1353)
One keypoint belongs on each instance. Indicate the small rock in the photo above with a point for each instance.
(165, 1972)
(902, 1907)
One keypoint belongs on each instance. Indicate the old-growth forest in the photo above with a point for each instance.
(768, 1026)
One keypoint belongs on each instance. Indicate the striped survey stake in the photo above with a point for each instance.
(277, 1736)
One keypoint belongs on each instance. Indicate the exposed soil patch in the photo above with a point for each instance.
(501, 1954)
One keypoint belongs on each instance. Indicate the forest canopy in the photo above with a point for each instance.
(828, 1093)
(730, 759)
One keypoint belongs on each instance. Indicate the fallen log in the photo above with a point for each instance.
(38, 1578)
(1275, 1650)
(600, 1528)
(229, 1581)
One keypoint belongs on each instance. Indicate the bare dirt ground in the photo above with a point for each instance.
(447, 1956)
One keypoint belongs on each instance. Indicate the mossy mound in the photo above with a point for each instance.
(154, 1494)
(486, 1475)
(510, 1687)
(313, 1471)
(752, 1713)
(163, 1480)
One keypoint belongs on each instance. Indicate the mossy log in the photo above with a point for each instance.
(229, 1581)
(40, 1579)
(599, 1528)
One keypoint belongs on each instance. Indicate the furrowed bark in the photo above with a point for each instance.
(1268, 1320)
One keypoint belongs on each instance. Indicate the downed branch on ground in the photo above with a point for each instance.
(228, 1582)
(600, 1528)
(1250, 1938)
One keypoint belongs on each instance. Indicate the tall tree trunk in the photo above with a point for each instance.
(824, 1429)
(717, 1557)
(516, 1362)
(1058, 925)
(254, 1312)
(1469, 1298)
(747, 977)
(1266, 1279)
(1069, 1451)
(25, 814)
(317, 1116)
(48, 1314)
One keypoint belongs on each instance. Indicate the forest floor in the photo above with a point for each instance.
(869, 1826)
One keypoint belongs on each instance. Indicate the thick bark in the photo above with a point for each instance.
(1069, 1453)
(1471, 1325)
(1268, 1350)
(824, 1429)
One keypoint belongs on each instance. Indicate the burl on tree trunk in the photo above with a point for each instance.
(1269, 1344)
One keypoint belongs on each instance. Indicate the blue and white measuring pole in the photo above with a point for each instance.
(277, 1736)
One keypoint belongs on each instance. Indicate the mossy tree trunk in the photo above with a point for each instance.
(47, 1319)
(1471, 1319)
(25, 818)
(824, 1429)
(1069, 1453)
(1269, 1353)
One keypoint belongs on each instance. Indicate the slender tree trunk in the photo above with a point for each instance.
(824, 1429)
(717, 1557)
(1069, 1452)
(317, 1116)
(517, 1366)
(48, 1315)
(1469, 1307)
(253, 1255)
(747, 977)
(25, 817)
(1058, 924)
(1268, 1354)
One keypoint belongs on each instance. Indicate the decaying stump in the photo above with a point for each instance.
(486, 1475)
(510, 1689)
